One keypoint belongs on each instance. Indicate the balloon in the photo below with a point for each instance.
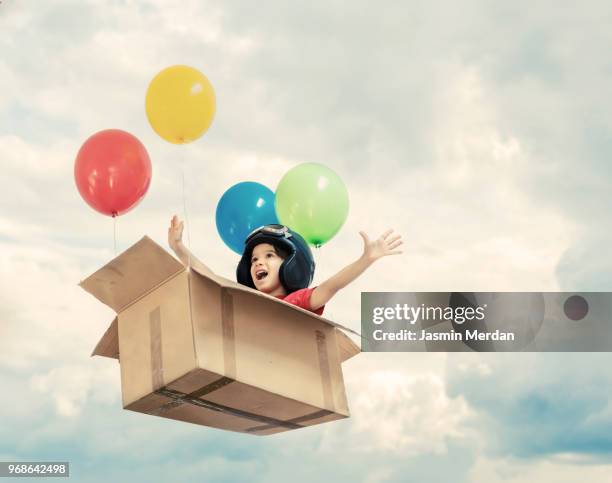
(180, 104)
(312, 200)
(112, 172)
(241, 209)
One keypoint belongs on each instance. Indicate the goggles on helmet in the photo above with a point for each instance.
(274, 230)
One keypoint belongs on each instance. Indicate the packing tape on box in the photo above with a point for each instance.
(177, 401)
(157, 374)
(227, 326)
(328, 397)
(307, 417)
(179, 398)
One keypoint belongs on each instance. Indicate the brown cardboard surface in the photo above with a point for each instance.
(254, 400)
(193, 381)
(346, 346)
(132, 274)
(156, 339)
(108, 346)
(206, 350)
(207, 417)
(299, 352)
(213, 351)
(233, 328)
(212, 409)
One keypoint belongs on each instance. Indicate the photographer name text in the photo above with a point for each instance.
(411, 314)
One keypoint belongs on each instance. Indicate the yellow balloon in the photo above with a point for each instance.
(180, 104)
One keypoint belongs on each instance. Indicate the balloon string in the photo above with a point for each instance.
(115, 234)
(317, 256)
(185, 204)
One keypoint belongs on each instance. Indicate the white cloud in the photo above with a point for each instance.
(398, 408)
(557, 470)
(399, 413)
(70, 386)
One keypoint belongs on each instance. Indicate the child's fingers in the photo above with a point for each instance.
(365, 237)
(394, 238)
(387, 233)
(395, 244)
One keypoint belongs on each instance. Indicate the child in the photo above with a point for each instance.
(278, 261)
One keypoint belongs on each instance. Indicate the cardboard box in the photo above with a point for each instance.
(210, 351)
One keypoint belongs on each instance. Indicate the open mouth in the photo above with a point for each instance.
(261, 274)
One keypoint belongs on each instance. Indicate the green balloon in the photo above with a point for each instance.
(312, 200)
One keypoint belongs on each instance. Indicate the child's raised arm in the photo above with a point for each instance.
(372, 251)
(175, 240)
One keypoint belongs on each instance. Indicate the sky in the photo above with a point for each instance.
(479, 130)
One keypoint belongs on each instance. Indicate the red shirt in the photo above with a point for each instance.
(301, 298)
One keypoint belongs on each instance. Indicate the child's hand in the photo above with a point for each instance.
(372, 251)
(175, 232)
(383, 246)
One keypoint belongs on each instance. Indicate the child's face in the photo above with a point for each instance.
(265, 264)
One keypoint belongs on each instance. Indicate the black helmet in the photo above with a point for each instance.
(297, 269)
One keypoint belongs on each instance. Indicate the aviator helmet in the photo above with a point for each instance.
(296, 271)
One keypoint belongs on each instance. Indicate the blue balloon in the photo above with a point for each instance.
(241, 209)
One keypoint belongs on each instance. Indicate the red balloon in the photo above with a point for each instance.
(112, 172)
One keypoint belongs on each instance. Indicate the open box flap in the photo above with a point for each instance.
(347, 347)
(108, 346)
(132, 274)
